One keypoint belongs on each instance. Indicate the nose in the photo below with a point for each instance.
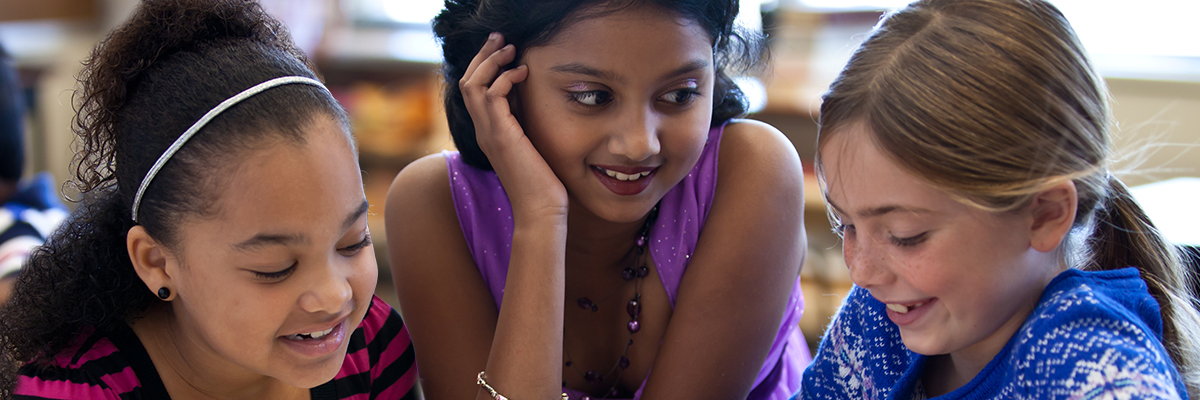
(867, 263)
(329, 292)
(636, 137)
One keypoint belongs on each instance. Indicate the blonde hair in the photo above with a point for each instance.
(995, 101)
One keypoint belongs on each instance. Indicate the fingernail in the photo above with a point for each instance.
(494, 36)
(507, 47)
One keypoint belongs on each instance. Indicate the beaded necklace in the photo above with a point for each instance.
(638, 270)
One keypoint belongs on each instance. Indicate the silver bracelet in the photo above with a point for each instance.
(492, 392)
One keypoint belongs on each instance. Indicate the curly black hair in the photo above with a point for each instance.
(464, 26)
(142, 87)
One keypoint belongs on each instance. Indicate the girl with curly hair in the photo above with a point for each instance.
(584, 241)
(221, 249)
(964, 151)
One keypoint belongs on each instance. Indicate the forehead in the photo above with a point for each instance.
(627, 37)
(859, 176)
(289, 187)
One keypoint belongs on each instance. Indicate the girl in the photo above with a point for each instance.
(232, 264)
(547, 259)
(963, 152)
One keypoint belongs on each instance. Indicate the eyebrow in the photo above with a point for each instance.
(354, 216)
(275, 239)
(876, 211)
(580, 69)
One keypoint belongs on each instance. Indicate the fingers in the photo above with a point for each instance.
(497, 98)
(504, 84)
(484, 67)
(493, 43)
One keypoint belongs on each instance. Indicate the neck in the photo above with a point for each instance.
(946, 372)
(190, 369)
(596, 238)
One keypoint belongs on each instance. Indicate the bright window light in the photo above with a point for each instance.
(412, 11)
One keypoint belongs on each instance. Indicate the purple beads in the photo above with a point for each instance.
(634, 326)
(627, 273)
(634, 308)
(624, 363)
(592, 376)
(642, 272)
(586, 303)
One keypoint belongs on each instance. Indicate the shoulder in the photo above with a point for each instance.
(420, 205)
(380, 356)
(91, 368)
(746, 143)
(382, 326)
(423, 179)
(1083, 341)
(758, 166)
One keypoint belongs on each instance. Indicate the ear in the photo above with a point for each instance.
(150, 259)
(1053, 212)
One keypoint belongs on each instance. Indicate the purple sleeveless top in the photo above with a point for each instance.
(485, 216)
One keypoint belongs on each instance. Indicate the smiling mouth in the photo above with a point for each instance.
(904, 309)
(310, 335)
(623, 176)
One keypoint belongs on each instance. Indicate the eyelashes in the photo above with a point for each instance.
(911, 240)
(355, 248)
(274, 276)
(597, 98)
(843, 229)
(348, 251)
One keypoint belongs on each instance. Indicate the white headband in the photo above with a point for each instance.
(225, 105)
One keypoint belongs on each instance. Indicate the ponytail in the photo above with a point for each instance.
(80, 277)
(1123, 236)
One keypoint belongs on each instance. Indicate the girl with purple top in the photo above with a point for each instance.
(585, 242)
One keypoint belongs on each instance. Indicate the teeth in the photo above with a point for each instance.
(626, 177)
(902, 308)
(310, 335)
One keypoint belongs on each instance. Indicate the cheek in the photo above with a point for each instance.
(365, 277)
(935, 270)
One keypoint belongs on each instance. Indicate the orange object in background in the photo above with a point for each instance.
(389, 121)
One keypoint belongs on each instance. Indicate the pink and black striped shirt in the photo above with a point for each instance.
(378, 365)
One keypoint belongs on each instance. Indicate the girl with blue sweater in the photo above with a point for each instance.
(964, 154)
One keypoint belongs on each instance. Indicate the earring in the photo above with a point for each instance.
(164, 293)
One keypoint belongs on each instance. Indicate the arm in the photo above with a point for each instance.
(732, 298)
(451, 315)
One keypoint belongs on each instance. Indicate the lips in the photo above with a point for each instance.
(622, 180)
(907, 313)
(317, 342)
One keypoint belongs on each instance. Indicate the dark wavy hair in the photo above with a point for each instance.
(464, 26)
(142, 87)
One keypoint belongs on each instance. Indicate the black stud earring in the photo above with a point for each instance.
(164, 293)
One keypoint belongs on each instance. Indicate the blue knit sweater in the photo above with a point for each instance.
(1093, 335)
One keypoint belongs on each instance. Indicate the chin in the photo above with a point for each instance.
(922, 344)
(311, 379)
(312, 375)
(628, 210)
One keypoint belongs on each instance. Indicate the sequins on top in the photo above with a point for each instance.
(485, 216)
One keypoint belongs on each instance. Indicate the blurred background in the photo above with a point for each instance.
(380, 60)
